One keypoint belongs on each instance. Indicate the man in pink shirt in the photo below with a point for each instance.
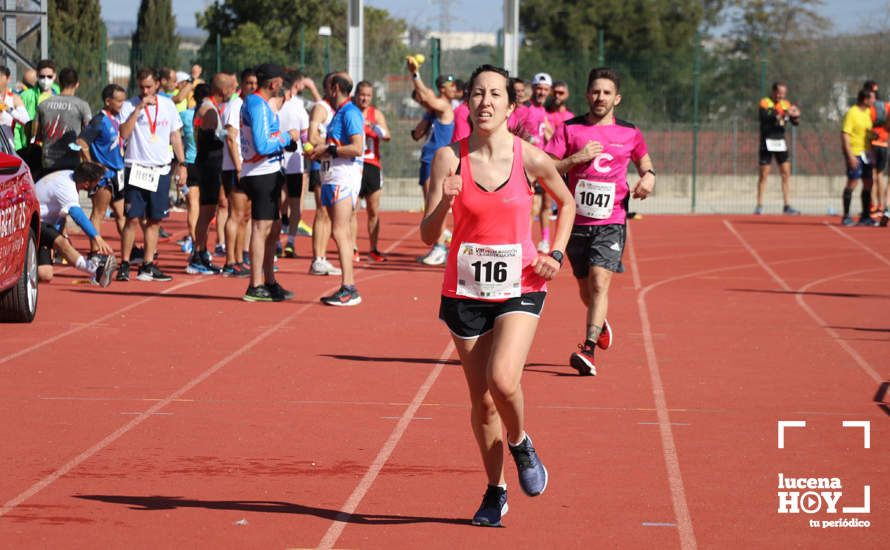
(557, 112)
(518, 114)
(533, 126)
(594, 150)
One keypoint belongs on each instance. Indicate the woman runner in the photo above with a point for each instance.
(495, 280)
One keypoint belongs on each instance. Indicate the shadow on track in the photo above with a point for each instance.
(158, 502)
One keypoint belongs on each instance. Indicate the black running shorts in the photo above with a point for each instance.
(230, 182)
(765, 156)
(48, 235)
(468, 318)
(597, 245)
(314, 180)
(880, 157)
(264, 192)
(372, 180)
(209, 181)
(294, 185)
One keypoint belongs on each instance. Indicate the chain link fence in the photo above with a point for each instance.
(697, 109)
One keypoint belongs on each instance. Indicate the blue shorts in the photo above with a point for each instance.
(152, 205)
(424, 172)
(332, 194)
(110, 183)
(855, 173)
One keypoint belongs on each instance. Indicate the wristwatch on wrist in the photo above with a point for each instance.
(649, 171)
(332, 150)
(557, 255)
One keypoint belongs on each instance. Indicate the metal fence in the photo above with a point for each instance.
(697, 110)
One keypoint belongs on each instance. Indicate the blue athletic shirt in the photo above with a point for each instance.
(262, 144)
(345, 171)
(440, 136)
(188, 134)
(102, 134)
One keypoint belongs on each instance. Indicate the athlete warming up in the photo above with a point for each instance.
(495, 279)
(595, 149)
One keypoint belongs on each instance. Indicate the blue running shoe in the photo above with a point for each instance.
(532, 474)
(493, 507)
(186, 245)
(196, 267)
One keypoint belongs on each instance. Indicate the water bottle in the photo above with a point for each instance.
(832, 211)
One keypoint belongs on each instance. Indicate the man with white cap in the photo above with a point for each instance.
(535, 128)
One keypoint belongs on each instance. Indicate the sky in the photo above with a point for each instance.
(474, 15)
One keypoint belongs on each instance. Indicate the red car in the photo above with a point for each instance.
(19, 230)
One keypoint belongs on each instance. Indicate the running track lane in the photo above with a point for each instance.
(232, 431)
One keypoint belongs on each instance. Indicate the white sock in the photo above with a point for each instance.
(520, 441)
(82, 265)
(502, 486)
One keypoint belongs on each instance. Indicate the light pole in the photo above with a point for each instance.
(326, 32)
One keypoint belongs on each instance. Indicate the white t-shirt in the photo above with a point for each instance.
(141, 147)
(56, 193)
(232, 117)
(293, 116)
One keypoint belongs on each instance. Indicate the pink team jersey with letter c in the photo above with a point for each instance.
(492, 250)
(600, 186)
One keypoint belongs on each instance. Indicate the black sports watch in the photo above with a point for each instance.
(557, 255)
(332, 150)
(649, 171)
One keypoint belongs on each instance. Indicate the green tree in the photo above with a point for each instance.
(257, 31)
(155, 42)
(77, 40)
(771, 40)
(650, 43)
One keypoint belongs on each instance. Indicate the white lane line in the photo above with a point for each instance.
(874, 253)
(79, 327)
(669, 446)
(339, 523)
(864, 365)
(117, 434)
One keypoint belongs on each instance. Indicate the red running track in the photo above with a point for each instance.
(174, 415)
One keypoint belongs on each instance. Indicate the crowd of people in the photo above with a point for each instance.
(243, 150)
(498, 155)
(864, 135)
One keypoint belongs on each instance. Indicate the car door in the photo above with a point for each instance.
(13, 216)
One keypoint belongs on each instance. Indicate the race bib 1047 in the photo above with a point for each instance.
(595, 199)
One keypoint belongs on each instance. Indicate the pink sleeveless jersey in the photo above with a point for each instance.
(492, 250)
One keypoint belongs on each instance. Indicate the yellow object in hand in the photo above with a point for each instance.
(308, 147)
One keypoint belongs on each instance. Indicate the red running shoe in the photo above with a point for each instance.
(376, 256)
(582, 360)
(605, 339)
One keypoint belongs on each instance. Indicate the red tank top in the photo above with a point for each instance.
(492, 250)
(372, 140)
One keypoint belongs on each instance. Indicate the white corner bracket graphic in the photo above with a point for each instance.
(788, 424)
(866, 503)
(866, 430)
